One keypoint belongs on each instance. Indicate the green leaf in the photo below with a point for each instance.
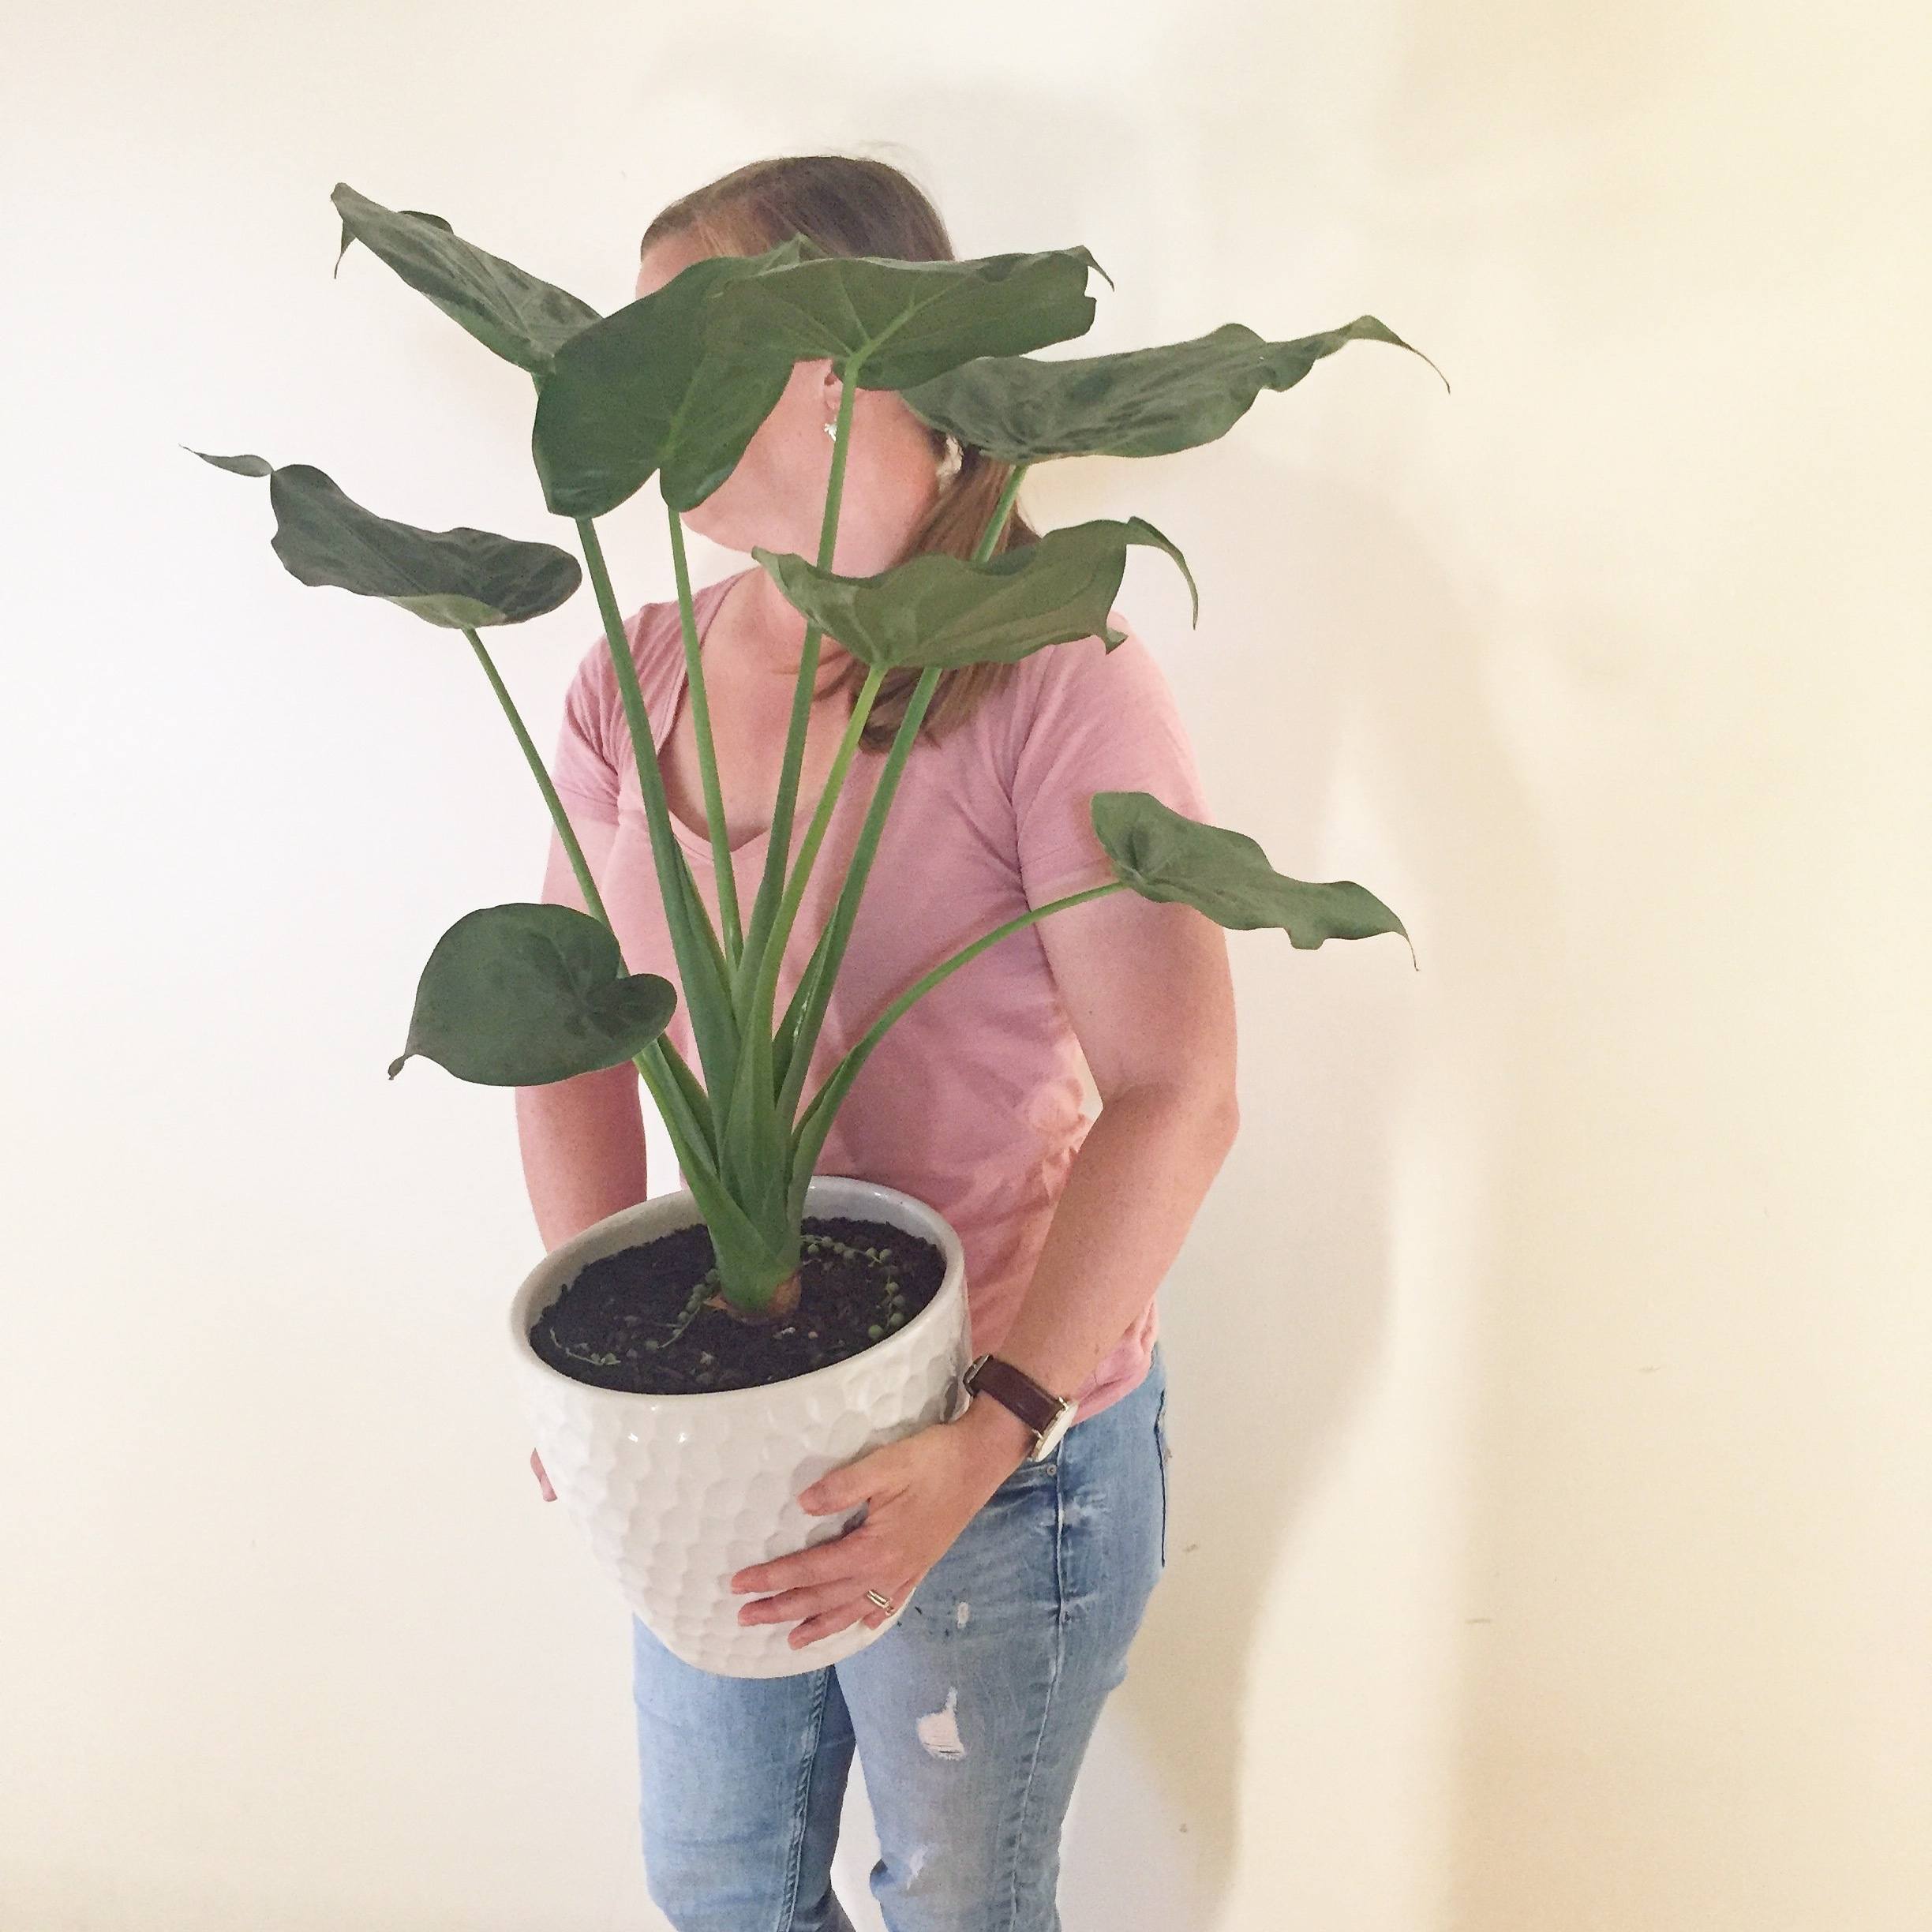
(644, 391)
(511, 313)
(933, 609)
(522, 995)
(1163, 854)
(459, 578)
(1139, 402)
(908, 320)
(417, 215)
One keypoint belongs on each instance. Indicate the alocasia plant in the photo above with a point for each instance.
(673, 386)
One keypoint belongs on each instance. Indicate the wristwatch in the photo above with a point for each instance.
(1049, 1416)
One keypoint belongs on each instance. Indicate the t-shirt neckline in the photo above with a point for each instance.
(680, 680)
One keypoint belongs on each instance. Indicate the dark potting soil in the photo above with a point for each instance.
(636, 1319)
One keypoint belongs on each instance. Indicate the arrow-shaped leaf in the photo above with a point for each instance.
(940, 610)
(348, 234)
(644, 391)
(514, 314)
(911, 320)
(1139, 403)
(1163, 854)
(523, 995)
(459, 578)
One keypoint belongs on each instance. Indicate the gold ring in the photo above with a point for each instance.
(884, 1603)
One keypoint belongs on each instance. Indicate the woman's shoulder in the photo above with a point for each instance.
(1084, 682)
(1082, 666)
(1093, 719)
(655, 634)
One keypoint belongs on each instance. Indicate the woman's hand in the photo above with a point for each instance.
(543, 1481)
(921, 1492)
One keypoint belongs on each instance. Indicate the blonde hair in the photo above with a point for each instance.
(851, 205)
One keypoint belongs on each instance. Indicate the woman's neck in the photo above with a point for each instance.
(767, 634)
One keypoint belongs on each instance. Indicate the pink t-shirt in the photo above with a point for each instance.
(974, 1101)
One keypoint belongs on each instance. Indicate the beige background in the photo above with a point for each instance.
(1551, 1462)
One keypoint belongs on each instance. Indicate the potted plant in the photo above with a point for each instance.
(838, 1306)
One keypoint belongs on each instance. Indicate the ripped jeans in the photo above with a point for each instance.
(971, 1714)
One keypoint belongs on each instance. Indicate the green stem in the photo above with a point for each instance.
(687, 1105)
(673, 1087)
(707, 748)
(816, 1122)
(532, 757)
(700, 959)
(996, 523)
(767, 986)
(778, 853)
(663, 1068)
(806, 1014)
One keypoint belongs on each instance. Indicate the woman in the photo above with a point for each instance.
(1023, 1580)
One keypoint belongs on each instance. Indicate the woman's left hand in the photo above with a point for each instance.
(921, 1492)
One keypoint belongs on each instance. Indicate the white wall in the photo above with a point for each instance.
(1552, 1461)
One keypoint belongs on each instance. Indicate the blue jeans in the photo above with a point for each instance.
(971, 1714)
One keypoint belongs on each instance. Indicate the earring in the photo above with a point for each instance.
(950, 464)
(831, 429)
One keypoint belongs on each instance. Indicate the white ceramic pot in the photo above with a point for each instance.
(677, 1493)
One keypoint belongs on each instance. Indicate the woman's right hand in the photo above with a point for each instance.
(543, 1481)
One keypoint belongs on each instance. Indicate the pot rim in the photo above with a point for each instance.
(561, 1264)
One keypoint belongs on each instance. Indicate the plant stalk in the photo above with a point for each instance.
(806, 1014)
(766, 991)
(670, 1081)
(810, 1136)
(707, 748)
(700, 958)
(777, 853)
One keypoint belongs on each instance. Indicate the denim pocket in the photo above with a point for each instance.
(1162, 1455)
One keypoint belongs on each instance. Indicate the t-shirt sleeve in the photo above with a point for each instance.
(583, 769)
(1100, 720)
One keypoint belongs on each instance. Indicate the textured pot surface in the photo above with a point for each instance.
(677, 1493)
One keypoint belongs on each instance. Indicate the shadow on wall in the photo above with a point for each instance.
(1272, 1329)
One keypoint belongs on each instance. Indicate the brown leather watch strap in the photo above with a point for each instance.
(1016, 1389)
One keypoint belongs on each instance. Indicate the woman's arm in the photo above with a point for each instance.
(1148, 988)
